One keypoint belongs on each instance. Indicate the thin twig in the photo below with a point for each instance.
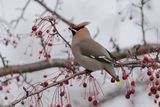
(16, 21)
(54, 13)
(3, 60)
(45, 88)
(142, 22)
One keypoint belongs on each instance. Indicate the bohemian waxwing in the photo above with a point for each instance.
(89, 53)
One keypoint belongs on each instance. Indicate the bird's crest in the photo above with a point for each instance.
(79, 26)
(76, 27)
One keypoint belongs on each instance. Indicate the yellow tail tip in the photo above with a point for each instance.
(119, 82)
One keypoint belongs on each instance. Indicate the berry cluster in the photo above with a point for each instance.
(92, 89)
(131, 90)
(45, 30)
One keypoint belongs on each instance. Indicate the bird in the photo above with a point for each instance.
(90, 54)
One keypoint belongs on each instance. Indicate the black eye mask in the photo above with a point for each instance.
(74, 30)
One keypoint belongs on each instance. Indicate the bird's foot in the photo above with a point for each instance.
(117, 79)
(88, 72)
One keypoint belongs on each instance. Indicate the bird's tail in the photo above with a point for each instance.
(109, 69)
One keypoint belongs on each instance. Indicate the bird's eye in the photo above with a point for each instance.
(72, 30)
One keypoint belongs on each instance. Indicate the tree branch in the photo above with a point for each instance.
(3, 60)
(16, 21)
(54, 13)
(142, 22)
(137, 50)
(45, 88)
(33, 67)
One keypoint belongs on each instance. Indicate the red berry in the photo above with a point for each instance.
(68, 66)
(30, 105)
(129, 92)
(49, 44)
(58, 105)
(153, 90)
(84, 85)
(49, 56)
(6, 98)
(89, 99)
(125, 76)
(155, 65)
(22, 102)
(133, 84)
(145, 59)
(132, 91)
(40, 52)
(155, 101)
(68, 105)
(157, 96)
(17, 78)
(127, 96)
(95, 102)
(47, 31)
(44, 76)
(150, 94)
(157, 82)
(61, 84)
(157, 75)
(45, 84)
(39, 33)
(54, 30)
(151, 78)
(66, 82)
(34, 28)
(6, 83)
(112, 80)
(62, 94)
(51, 19)
(149, 73)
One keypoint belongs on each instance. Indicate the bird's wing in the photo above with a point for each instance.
(113, 57)
(101, 59)
(94, 50)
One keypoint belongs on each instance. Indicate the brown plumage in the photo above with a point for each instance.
(89, 53)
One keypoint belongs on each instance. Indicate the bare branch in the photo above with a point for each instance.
(3, 60)
(62, 37)
(28, 68)
(54, 13)
(45, 88)
(142, 22)
(32, 67)
(140, 50)
(16, 21)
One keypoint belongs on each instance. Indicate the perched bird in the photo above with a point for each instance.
(89, 53)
